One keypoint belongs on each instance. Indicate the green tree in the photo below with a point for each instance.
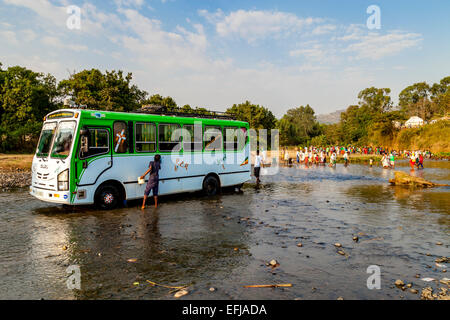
(110, 91)
(257, 116)
(377, 100)
(440, 95)
(25, 98)
(354, 123)
(298, 126)
(414, 100)
(167, 102)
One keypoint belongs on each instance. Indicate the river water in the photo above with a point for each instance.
(225, 242)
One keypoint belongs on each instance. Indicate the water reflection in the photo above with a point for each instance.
(117, 248)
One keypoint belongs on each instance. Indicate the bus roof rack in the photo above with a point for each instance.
(162, 110)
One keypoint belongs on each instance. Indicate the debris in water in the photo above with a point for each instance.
(337, 245)
(342, 253)
(404, 179)
(299, 245)
(427, 279)
(284, 285)
(165, 286)
(180, 293)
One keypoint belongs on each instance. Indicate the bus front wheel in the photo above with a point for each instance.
(211, 186)
(107, 197)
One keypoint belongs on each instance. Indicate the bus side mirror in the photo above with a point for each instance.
(84, 144)
(84, 132)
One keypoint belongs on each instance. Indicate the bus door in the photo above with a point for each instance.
(94, 155)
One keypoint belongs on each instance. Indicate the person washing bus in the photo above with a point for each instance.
(153, 180)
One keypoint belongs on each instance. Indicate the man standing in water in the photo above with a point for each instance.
(153, 180)
(333, 160)
(420, 160)
(392, 160)
(257, 168)
(346, 158)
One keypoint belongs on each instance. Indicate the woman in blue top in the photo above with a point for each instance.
(153, 180)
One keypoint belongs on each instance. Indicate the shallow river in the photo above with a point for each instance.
(225, 242)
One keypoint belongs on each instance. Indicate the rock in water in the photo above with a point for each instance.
(273, 263)
(399, 283)
(404, 179)
(181, 293)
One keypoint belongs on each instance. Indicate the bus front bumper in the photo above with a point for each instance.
(51, 196)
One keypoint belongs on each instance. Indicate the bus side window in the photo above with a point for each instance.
(145, 137)
(242, 138)
(231, 139)
(120, 137)
(169, 135)
(235, 138)
(97, 143)
(192, 138)
(212, 138)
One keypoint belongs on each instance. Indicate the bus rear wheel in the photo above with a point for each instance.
(107, 197)
(211, 186)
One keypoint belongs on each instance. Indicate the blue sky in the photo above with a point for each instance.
(213, 53)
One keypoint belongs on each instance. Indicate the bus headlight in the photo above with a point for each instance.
(63, 180)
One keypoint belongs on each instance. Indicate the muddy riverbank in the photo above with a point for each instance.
(13, 179)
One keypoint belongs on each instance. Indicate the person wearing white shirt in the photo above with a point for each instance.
(257, 167)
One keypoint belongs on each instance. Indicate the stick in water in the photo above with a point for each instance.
(284, 285)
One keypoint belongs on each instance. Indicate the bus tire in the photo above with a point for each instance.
(211, 186)
(107, 197)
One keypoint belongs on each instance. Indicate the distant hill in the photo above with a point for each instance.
(330, 118)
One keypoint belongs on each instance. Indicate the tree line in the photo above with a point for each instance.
(27, 96)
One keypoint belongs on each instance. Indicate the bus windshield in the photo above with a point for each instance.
(63, 139)
(48, 131)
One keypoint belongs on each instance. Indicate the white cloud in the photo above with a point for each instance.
(315, 52)
(29, 35)
(9, 36)
(376, 46)
(57, 43)
(53, 17)
(129, 3)
(253, 25)
(323, 29)
(182, 61)
(50, 14)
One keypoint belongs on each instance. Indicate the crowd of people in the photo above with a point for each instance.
(328, 155)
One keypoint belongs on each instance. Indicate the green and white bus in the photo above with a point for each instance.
(96, 157)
